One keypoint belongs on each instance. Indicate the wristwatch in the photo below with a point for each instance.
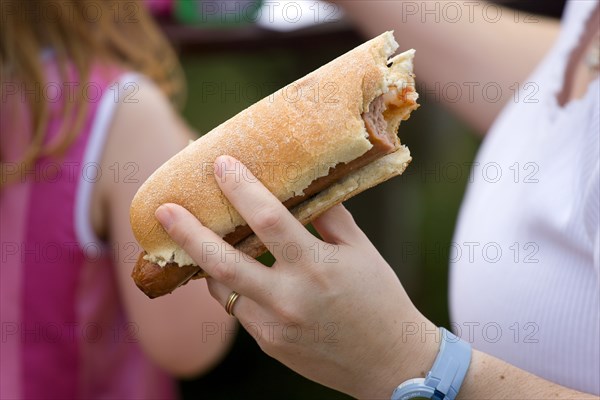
(446, 376)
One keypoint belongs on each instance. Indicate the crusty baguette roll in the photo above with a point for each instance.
(313, 144)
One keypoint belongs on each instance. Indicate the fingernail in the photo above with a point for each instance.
(164, 216)
(220, 165)
(224, 165)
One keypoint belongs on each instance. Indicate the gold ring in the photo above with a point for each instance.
(231, 302)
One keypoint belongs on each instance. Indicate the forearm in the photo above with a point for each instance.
(487, 377)
(465, 51)
(491, 378)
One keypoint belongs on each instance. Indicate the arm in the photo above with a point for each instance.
(489, 377)
(357, 343)
(469, 51)
(170, 329)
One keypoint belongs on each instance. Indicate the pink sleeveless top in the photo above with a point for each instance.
(64, 333)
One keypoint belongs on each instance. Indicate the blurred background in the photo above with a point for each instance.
(236, 52)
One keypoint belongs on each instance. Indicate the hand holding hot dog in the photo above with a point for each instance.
(352, 299)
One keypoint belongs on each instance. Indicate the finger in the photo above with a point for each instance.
(219, 291)
(215, 256)
(263, 212)
(337, 226)
(244, 307)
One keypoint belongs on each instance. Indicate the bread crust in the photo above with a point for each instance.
(281, 139)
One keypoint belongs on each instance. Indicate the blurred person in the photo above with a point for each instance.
(359, 331)
(88, 89)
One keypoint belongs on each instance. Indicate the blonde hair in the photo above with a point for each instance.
(79, 33)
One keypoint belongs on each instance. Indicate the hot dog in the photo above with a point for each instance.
(313, 144)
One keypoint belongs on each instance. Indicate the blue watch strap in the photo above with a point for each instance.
(450, 366)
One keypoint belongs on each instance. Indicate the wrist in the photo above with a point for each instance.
(422, 344)
(411, 356)
(445, 378)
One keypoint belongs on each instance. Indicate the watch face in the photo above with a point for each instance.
(417, 395)
(413, 389)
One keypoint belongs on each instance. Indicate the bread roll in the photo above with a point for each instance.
(290, 139)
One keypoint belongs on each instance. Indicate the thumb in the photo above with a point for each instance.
(337, 226)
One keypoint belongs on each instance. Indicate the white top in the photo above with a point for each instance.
(524, 282)
(93, 157)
